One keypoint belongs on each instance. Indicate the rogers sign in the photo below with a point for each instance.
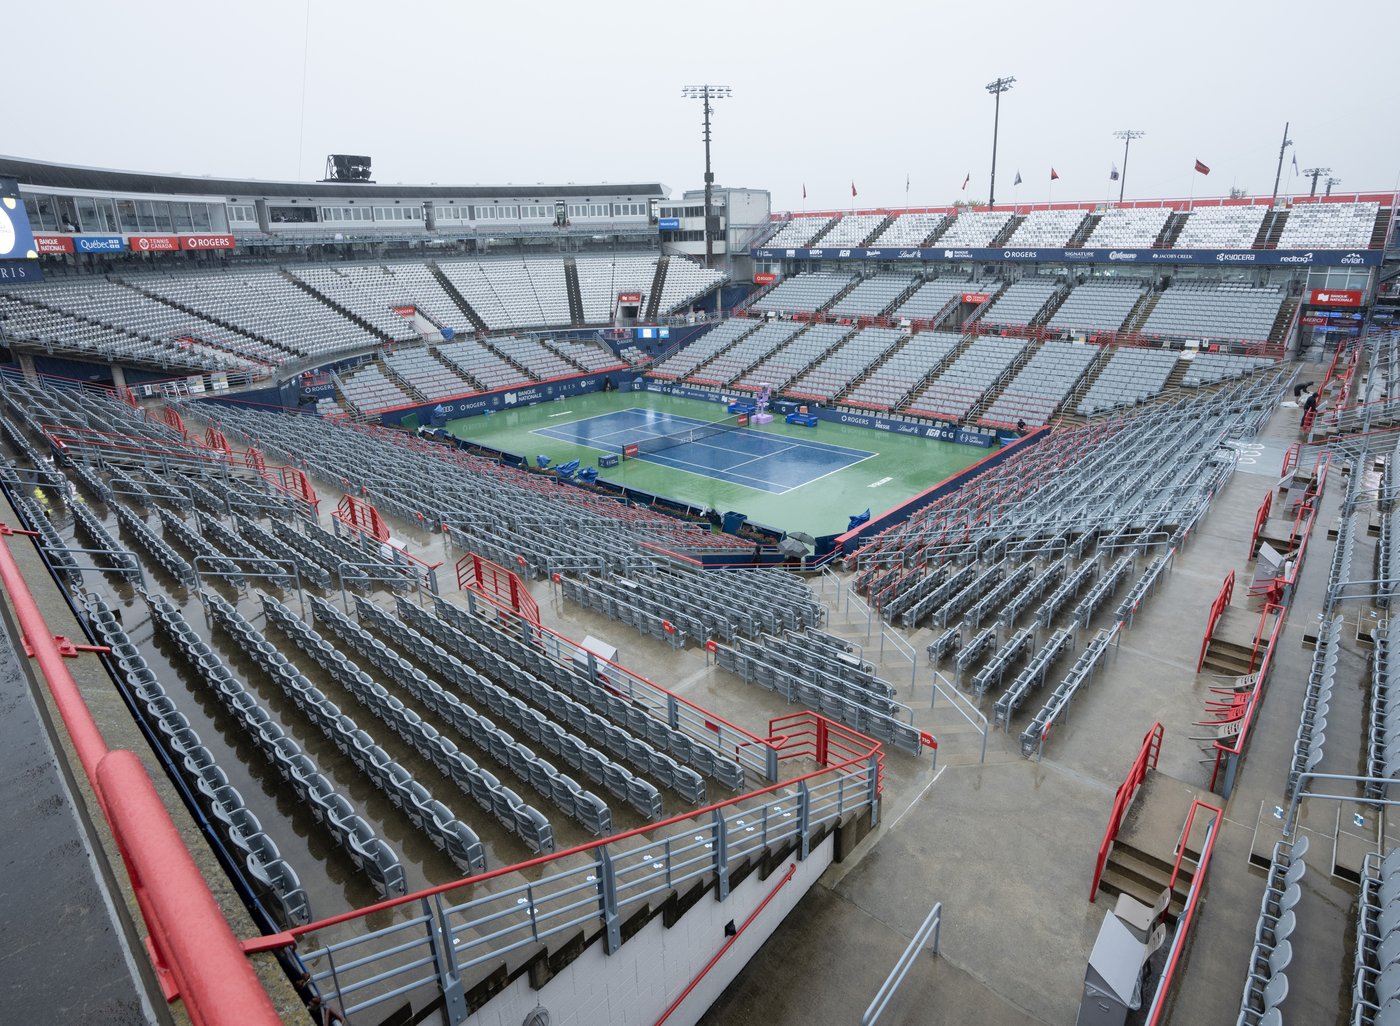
(206, 242)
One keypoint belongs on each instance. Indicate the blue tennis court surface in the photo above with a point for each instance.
(748, 456)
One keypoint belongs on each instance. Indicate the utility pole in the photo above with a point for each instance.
(706, 93)
(1127, 135)
(1287, 142)
(996, 88)
(1315, 173)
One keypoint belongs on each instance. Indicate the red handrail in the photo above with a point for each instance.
(1123, 798)
(1217, 609)
(191, 944)
(1261, 517)
(478, 574)
(1188, 914)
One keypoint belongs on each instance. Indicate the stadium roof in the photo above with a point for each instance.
(94, 179)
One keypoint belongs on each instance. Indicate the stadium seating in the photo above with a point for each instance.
(908, 231)
(1098, 305)
(975, 372)
(873, 295)
(1330, 225)
(511, 293)
(704, 348)
(803, 293)
(974, 228)
(1266, 978)
(479, 363)
(848, 361)
(730, 364)
(1052, 228)
(531, 355)
(589, 356)
(1233, 227)
(1128, 228)
(851, 230)
(1041, 385)
(890, 382)
(932, 296)
(799, 231)
(1021, 302)
(1131, 376)
(684, 283)
(1211, 311)
(430, 378)
(368, 291)
(370, 390)
(808, 347)
(1212, 368)
(601, 279)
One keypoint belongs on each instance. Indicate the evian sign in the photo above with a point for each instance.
(1336, 297)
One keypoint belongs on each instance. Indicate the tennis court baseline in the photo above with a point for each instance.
(747, 456)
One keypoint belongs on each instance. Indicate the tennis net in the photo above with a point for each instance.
(656, 443)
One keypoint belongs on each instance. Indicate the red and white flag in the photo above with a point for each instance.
(1201, 168)
(1054, 175)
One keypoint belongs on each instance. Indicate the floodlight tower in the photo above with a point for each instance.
(1331, 182)
(1315, 173)
(1127, 135)
(706, 93)
(996, 88)
(1287, 142)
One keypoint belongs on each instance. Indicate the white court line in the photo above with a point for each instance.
(566, 413)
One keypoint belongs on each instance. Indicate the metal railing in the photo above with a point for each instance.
(932, 924)
(438, 941)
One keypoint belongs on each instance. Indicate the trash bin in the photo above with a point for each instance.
(1111, 980)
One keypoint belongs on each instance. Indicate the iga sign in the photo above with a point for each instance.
(764, 278)
(1336, 297)
(206, 242)
(154, 243)
(53, 244)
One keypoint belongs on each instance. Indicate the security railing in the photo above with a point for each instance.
(447, 937)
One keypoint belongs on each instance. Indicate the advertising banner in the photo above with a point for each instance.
(154, 243)
(16, 238)
(99, 243)
(1336, 297)
(53, 244)
(1231, 257)
(197, 242)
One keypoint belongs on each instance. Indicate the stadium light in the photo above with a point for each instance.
(1315, 173)
(1287, 142)
(706, 93)
(1331, 182)
(996, 88)
(1127, 135)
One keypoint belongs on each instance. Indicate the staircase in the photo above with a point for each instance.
(1231, 647)
(458, 298)
(1082, 233)
(1171, 231)
(1382, 229)
(1144, 852)
(1001, 237)
(817, 239)
(343, 311)
(840, 295)
(899, 299)
(889, 220)
(1138, 315)
(938, 229)
(575, 294)
(658, 281)
(999, 386)
(1052, 304)
(1278, 333)
(948, 361)
(698, 368)
(1271, 229)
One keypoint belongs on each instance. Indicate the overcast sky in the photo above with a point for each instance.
(826, 93)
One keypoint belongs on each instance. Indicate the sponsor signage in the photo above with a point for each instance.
(16, 237)
(1255, 257)
(405, 311)
(669, 224)
(154, 243)
(632, 298)
(1336, 297)
(764, 278)
(1312, 320)
(53, 244)
(197, 242)
(20, 272)
(976, 297)
(99, 243)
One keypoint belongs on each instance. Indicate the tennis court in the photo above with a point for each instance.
(744, 455)
(789, 476)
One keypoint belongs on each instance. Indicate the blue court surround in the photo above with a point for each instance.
(749, 456)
